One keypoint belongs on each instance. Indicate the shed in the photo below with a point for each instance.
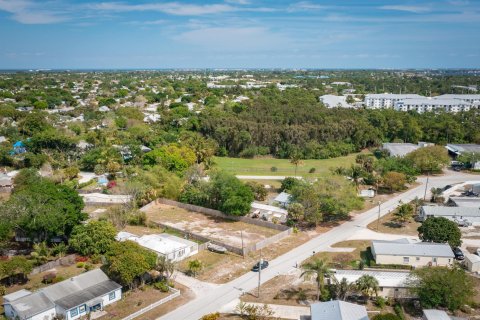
(283, 199)
(472, 262)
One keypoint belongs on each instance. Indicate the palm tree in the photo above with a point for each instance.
(296, 160)
(165, 266)
(319, 269)
(343, 289)
(194, 266)
(356, 173)
(367, 284)
(436, 192)
(404, 213)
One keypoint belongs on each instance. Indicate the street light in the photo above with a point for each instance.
(378, 219)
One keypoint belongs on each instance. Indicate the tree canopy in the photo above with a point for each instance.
(95, 237)
(440, 229)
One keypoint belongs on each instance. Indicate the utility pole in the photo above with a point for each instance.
(378, 219)
(259, 274)
(426, 186)
(243, 252)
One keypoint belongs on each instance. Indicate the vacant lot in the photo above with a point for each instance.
(227, 231)
(348, 259)
(388, 224)
(262, 166)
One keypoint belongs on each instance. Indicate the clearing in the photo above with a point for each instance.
(228, 231)
(387, 224)
(262, 166)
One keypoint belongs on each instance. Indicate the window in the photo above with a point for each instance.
(406, 259)
(111, 296)
(82, 309)
(74, 312)
(435, 260)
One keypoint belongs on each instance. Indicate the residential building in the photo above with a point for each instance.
(419, 254)
(422, 105)
(472, 262)
(268, 212)
(283, 199)
(386, 100)
(165, 245)
(433, 314)
(470, 98)
(465, 202)
(458, 149)
(337, 310)
(70, 299)
(391, 283)
(461, 215)
(402, 149)
(332, 101)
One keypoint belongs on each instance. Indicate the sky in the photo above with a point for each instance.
(127, 34)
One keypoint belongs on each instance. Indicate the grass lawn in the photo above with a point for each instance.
(345, 260)
(262, 166)
(388, 224)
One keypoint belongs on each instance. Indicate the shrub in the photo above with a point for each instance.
(211, 316)
(399, 311)
(273, 169)
(88, 266)
(312, 170)
(81, 259)
(80, 264)
(162, 286)
(380, 302)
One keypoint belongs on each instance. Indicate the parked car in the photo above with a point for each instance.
(458, 254)
(256, 267)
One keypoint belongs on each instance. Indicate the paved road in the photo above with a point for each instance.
(213, 300)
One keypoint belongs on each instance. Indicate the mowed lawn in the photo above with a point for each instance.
(262, 166)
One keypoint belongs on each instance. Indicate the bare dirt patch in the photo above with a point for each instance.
(387, 224)
(228, 231)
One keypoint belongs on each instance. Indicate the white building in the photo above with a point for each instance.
(422, 105)
(460, 215)
(332, 101)
(386, 100)
(166, 245)
(269, 212)
(337, 310)
(402, 149)
(70, 299)
(472, 262)
(470, 98)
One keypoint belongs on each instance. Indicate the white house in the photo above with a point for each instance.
(472, 262)
(460, 215)
(166, 245)
(71, 299)
(419, 254)
(391, 283)
(269, 212)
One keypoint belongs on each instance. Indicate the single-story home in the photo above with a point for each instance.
(70, 299)
(269, 212)
(166, 245)
(457, 149)
(391, 283)
(461, 215)
(419, 254)
(402, 149)
(472, 262)
(465, 202)
(283, 199)
(337, 310)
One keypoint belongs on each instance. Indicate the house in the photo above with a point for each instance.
(465, 202)
(166, 245)
(268, 212)
(432, 314)
(419, 254)
(337, 310)
(472, 262)
(391, 283)
(402, 149)
(70, 299)
(458, 149)
(460, 215)
(283, 199)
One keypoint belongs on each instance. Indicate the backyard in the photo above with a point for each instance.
(263, 166)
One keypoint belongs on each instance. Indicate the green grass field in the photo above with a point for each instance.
(262, 166)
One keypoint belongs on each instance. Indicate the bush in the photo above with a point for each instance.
(80, 264)
(380, 302)
(312, 170)
(88, 266)
(399, 311)
(273, 169)
(211, 316)
(162, 286)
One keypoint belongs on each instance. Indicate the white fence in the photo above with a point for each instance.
(176, 293)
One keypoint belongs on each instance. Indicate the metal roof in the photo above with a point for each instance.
(283, 197)
(400, 149)
(459, 148)
(432, 314)
(435, 102)
(466, 202)
(391, 96)
(460, 96)
(439, 211)
(16, 295)
(419, 249)
(87, 294)
(337, 310)
(390, 279)
(33, 304)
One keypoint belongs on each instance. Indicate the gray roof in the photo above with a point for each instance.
(466, 202)
(439, 211)
(16, 295)
(419, 249)
(435, 102)
(460, 96)
(337, 310)
(432, 314)
(392, 96)
(283, 197)
(31, 305)
(87, 294)
(462, 148)
(400, 149)
(389, 279)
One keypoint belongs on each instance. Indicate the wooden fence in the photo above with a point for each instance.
(65, 261)
(176, 293)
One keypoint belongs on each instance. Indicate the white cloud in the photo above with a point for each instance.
(305, 6)
(28, 12)
(407, 8)
(242, 2)
(173, 8)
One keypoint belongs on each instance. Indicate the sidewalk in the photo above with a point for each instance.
(198, 287)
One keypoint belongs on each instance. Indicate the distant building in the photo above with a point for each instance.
(470, 98)
(332, 101)
(337, 310)
(422, 105)
(420, 254)
(166, 245)
(386, 100)
(70, 299)
(456, 150)
(269, 212)
(283, 199)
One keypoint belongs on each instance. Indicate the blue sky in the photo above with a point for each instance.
(239, 34)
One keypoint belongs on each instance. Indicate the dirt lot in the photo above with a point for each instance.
(224, 230)
(389, 225)
(140, 298)
(345, 260)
